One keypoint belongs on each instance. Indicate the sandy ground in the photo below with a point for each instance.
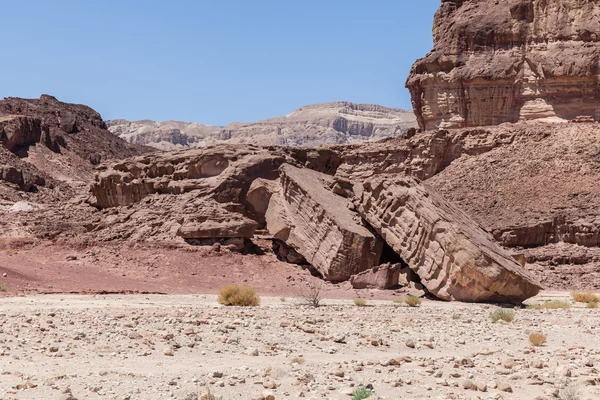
(164, 347)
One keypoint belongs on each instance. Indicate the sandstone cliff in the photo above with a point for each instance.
(507, 61)
(313, 125)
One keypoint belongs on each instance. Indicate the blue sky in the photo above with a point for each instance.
(216, 61)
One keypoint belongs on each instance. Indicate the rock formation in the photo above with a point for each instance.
(316, 223)
(454, 258)
(507, 61)
(229, 192)
(312, 125)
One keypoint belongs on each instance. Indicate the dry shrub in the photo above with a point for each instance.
(551, 305)
(412, 301)
(360, 302)
(537, 339)
(585, 297)
(3, 287)
(311, 296)
(592, 304)
(234, 295)
(504, 315)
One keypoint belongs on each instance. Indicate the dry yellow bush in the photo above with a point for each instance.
(551, 305)
(537, 339)
(234, 295)
(412, 301)
(360, 302)
(585, 297)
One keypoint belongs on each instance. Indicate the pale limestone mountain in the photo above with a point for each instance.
(327, 123)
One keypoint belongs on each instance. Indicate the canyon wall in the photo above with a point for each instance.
(508, 61)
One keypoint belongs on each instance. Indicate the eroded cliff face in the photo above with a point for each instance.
(507, 61)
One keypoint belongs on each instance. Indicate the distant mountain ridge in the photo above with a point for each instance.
(326, 123)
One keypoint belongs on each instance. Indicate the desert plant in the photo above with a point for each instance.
(550, 305)
(297, 360)
(585, 297)
(537, 339)
(592, 304)
(412, 301)
(311, 296)
(3, 287)
(455, 317)
(568, 391)
(361, 394)
(282, 299)
(234, 295)
(502, 314)
(360, 302)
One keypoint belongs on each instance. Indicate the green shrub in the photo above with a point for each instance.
(234, 295)
(361, 394)
(502, 314)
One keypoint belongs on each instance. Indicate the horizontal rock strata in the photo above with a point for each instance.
(508, 61)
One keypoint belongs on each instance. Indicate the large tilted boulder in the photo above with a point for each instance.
(454, 257)
(317, 223)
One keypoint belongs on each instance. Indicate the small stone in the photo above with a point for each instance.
(168, 351)
(410, 343)
(504, 387)
(469, 385)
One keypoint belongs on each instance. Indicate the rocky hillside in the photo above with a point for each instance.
(329, 123)
(47, 147)
(508, 61)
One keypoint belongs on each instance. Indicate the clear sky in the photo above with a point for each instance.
(215, 61)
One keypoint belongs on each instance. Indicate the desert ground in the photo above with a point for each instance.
(174, 346)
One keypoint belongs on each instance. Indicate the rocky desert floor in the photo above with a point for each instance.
(172, 346)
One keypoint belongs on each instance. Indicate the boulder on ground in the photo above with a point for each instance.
(318, 224)
(454, 257)
(386, 276)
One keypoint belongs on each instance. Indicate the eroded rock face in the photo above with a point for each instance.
(318, 224)
(454, 257)
(506, 61)
(223, 173)
(18, 131)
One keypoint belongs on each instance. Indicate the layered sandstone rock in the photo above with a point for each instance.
(506, 61)
(454, 257)
(318, 224)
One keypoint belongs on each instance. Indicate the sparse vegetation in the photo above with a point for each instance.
(455, 317)
(568, 391)
(537, 339)
(592, 304)
(398, 301)
(551, 305)
(502, 314)
(413, 301)
(361, 394)
(312, 295)
(585, 297)
(282, 299)
(360, 302)
(234, 295)
(3, 287)
(297, 360)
